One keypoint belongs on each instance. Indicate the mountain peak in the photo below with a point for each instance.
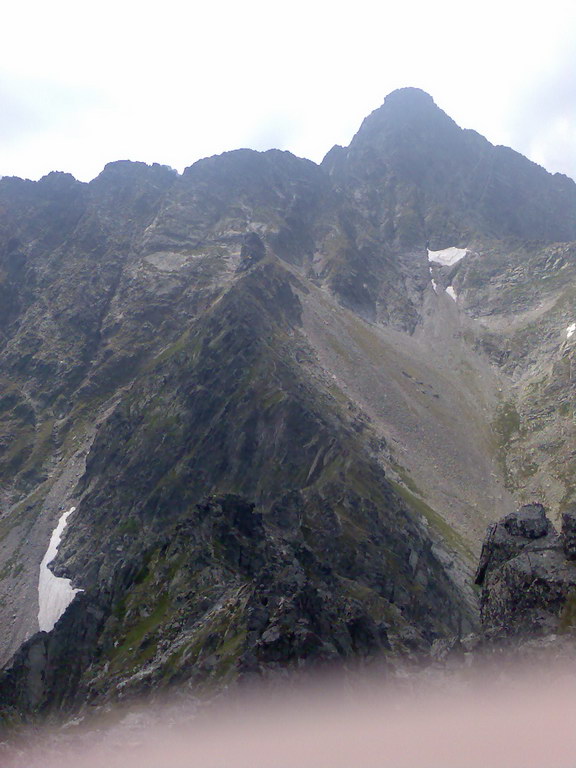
(409, 95)
(406, 109)
(410, 143)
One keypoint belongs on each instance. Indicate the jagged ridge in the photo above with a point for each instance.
(246, 497)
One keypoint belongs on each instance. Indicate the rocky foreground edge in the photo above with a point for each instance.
(527, 572)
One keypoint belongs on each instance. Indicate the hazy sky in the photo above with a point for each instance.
(171, 82)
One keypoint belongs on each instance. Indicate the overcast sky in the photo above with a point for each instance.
(170, 82)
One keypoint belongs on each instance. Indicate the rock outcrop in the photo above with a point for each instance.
(569, 531)
(527, 583)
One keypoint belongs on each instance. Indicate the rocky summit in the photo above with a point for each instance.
(257, 416)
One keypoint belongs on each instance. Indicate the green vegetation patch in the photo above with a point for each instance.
(451, 537)
(139, 644)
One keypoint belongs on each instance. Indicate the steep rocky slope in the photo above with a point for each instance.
(284, 412)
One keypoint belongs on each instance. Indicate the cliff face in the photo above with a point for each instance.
(419, 177)
(282, 435)
(527, 575)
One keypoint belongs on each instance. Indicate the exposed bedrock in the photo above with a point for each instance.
(528, 584)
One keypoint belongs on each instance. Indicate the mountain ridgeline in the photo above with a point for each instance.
(285, 400)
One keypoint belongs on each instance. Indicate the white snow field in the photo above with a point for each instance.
(54, 593)
(447, 257)
(452, 293)
(570, 330)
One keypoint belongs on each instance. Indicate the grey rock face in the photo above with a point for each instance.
(253, 250)
(46, 671)
(530, 522)
(437, 181)
(569, 532)
(509, 536)
(524, 574)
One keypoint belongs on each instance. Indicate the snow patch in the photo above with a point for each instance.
(570, 330)
(54, 593)
(447, 257)
(435, 286)
(452, 293)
